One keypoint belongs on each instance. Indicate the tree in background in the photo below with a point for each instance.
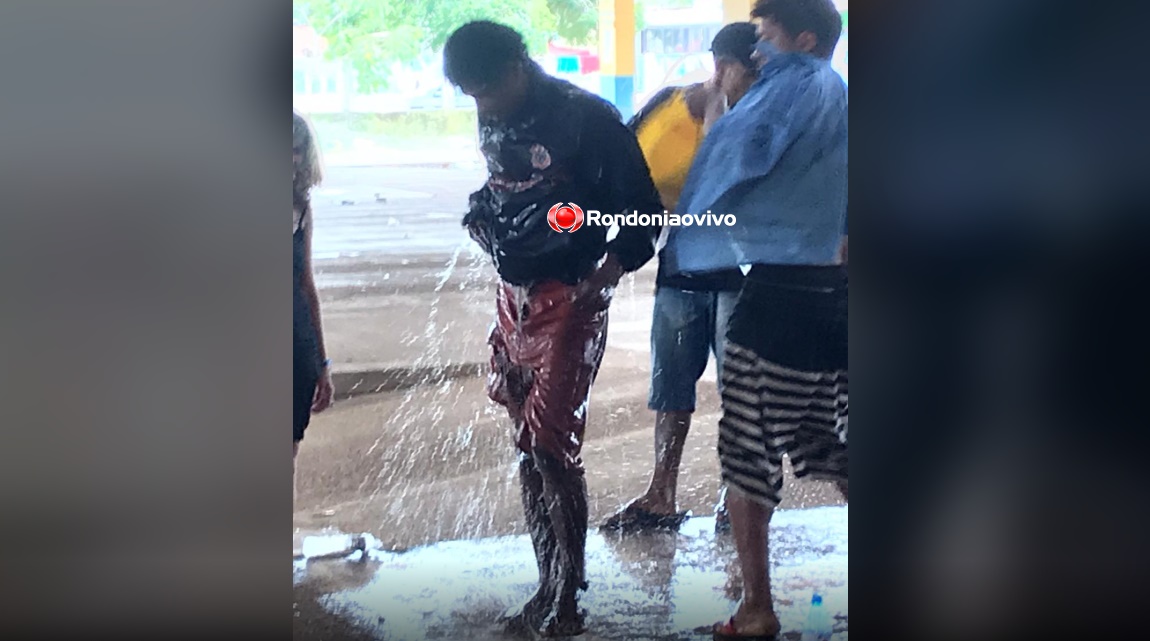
(576, 20)
(372, 35)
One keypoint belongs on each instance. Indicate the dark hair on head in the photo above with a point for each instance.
(820, 17)
(480, 53)
(736, 41)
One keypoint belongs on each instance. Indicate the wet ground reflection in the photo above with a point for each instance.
(643, 586)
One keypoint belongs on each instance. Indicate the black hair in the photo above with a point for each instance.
(736, 41)
(820, 17)
(480, 53)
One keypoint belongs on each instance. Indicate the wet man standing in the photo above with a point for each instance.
(778, 161)
(547, 142)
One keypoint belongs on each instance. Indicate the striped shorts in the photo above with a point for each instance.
(784, 390)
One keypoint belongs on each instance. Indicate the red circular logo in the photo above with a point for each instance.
(565, 217)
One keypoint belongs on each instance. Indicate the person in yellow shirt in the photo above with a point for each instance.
(691, 311)
(670, 129)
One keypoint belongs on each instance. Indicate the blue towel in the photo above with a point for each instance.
(778, 162)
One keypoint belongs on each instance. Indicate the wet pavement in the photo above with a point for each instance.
(436, 462)
(656, 585)
(370, 211)
(401, 285)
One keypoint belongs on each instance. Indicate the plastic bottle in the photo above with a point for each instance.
(819, 625)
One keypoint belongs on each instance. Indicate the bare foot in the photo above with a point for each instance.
(751, 623)
(645, 511)
(527, 618)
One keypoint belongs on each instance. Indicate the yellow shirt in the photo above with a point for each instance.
(669, 138)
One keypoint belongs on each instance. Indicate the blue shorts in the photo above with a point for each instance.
(685, 328)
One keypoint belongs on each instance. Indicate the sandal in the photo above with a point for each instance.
(727, 632)
(640, 519)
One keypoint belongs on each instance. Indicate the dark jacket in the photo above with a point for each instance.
(565, 145)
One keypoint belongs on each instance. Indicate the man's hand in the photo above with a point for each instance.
(706, 102)
(596, 291)
(716, 107)
(697, 96)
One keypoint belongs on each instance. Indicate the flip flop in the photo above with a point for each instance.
(640, 519)
(727, 632)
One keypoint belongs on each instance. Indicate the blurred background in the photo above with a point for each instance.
(371, 78)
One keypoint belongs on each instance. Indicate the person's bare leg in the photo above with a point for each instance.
(749, 526)
(565, 494)
(671, 430)
(529, 617)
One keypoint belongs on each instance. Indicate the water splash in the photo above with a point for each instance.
(410, 471)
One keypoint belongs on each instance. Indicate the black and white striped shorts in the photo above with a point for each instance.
(784, 390)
